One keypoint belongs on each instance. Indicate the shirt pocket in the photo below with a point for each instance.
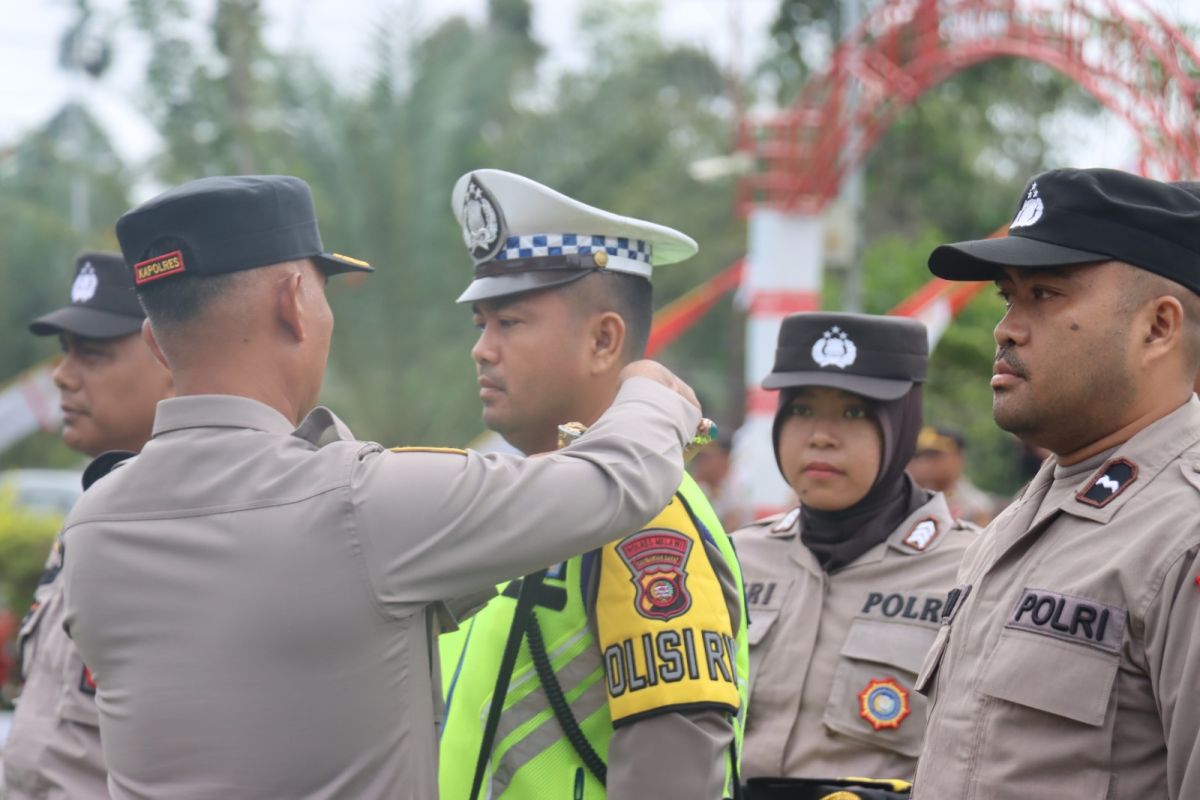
(761, 624)
(873, 699)
(1048, 704)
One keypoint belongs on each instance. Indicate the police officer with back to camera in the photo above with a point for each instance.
(109, 383)
(631, 673)
(845, 591)
(256, 592)
(1068, 661)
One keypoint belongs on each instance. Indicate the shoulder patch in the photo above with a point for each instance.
(1112, 479)
(453, 450)
(663, 626)
(923, 534)
(658, 559)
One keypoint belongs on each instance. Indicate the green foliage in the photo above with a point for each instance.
(25, 540)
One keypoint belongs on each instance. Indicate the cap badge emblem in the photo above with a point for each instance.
(481, 222)
(1031, 209)
(84, 287)
(835, 348)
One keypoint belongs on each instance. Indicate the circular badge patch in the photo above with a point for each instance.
(884, 703)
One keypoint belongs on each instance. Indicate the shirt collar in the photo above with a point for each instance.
(218, 411)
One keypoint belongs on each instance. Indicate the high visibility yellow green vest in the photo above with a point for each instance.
(531, 757)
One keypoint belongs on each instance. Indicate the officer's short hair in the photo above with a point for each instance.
(629, 296)
(174, 303)
(1143, 286)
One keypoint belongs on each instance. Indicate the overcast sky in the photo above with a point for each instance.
(32, 86)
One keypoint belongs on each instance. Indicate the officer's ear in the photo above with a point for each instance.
(607, 340)
(289, 303)
(1164, 327)
(151, 342)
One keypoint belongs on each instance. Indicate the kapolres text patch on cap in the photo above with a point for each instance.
(153, 269)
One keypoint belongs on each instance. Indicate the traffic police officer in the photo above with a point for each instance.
(845, 591)
(109, 383)
(632, 671)
(1068, 660)
(256, 591)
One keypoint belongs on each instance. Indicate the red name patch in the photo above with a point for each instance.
(158, 267)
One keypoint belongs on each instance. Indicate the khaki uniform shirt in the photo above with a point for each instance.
(833, 658)
(257, 610)
(1069, 664)
(53, 749)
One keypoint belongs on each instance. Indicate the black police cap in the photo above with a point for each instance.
(103, 304)
(877, 357)
(1085, 216)
(212, 226)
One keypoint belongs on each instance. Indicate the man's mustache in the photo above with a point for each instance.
(1011, 360)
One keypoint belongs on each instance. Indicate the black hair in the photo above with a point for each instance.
(181, 298)
(629, 296)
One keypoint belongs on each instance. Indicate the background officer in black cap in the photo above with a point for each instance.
(845, 591)
(256, 591)
(110, 383)
(1068, 663)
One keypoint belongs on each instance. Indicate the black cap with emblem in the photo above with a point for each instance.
(222, 224)
(1086, 216)
(103, 304)
(876, 357)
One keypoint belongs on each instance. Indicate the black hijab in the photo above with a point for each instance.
(837, 538)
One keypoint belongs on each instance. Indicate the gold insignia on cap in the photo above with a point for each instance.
(356, 261)
(601, 258)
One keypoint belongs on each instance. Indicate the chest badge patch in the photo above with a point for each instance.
(884, 703)
(922, 535)
(657, 560)
(1112, 479)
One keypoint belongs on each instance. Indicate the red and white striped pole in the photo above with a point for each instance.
(782, 276)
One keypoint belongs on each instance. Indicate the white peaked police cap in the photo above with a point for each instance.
(524, 236)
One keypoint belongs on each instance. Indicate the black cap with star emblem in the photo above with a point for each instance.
(1086, 216)
(222, 224)
(103, 304)
(874, 356)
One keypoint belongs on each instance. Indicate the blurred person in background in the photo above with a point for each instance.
(846, 590)
(940, 464)
(110, 383)
(712, 467)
